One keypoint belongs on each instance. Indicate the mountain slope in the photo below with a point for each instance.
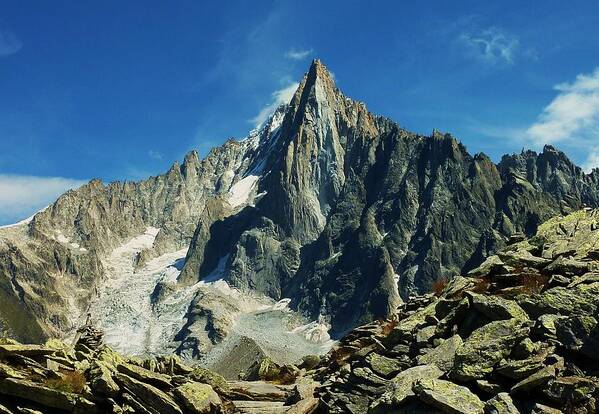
(342, 211)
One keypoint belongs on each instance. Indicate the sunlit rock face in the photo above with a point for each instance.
(340, 211)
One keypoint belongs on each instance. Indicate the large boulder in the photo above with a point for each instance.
(448, 397)
(150, 395)
(383, 365)
(501, 404)
(45, 396)
(485, 347)
(198, 398)
(100, 379)
(579, 333)
(401, 387)
(580, 299)
(443, 355)
(496, 307)
(159, 380)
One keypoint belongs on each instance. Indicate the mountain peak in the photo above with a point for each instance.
(318, 70)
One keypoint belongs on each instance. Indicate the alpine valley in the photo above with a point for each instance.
(317, 238)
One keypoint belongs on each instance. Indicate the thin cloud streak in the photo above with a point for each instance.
(295, 54)
(9, 43)
(491, 45)
(280, 97)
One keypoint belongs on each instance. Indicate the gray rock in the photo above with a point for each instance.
(443, 355)
(149, 395)
(579, 333)
(401, 386)
(485, 347)
(448, 397)
(496, 308)
(198, 398)
(501, 404)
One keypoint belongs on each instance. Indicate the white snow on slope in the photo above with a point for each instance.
(123, 308)
(239, 193)
(124, 311)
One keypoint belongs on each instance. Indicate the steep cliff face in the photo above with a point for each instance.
(342, 211)
(358, 212)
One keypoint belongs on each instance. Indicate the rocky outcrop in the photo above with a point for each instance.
(55, 378)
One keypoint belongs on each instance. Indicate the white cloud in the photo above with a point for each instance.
(295, 54)
(572, 117)
(491, 45)
(22, 195)
(592, 160)
(155, 155)
(9, 43)
(282, 96)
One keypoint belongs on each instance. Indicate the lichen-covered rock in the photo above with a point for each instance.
(485, 347)
(401, 387)
(496, 308)
(448, 397)
(562, 300)
(216, 381)
(443, 355)
(579, 333)
(571, 390)
(501, 404)
(198, 398)
(45, 396)
(149, 394)
(159, 380)
(536, 380)
(100, 379)
(383, 365)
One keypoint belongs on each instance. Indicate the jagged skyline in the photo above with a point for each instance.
(124, 100)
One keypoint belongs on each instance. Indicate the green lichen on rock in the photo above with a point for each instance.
(448, 397)
(485, 347)
(198, 398)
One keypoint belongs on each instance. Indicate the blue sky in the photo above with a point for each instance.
(119, 90)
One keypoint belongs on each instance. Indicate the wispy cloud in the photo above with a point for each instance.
(9, 43)
(282, 96)
(491, 45)
(155, 155)
(23, 195)
(572, 117)
(298, 54)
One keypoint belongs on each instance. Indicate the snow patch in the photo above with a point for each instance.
(123, 307)
(239, 194)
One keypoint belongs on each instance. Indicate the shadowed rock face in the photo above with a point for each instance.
(354, 203)
(342, 211)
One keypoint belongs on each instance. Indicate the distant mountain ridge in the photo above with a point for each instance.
(342, 211)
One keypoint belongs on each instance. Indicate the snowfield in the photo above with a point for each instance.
(132, 325)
